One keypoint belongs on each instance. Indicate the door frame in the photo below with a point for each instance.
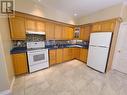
(116, 48)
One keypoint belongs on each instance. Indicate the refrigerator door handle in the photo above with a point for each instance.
(99, 46)
(93, 45)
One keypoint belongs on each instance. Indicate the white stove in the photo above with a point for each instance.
(37, 56)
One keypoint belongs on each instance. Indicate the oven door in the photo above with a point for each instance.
(37, 57)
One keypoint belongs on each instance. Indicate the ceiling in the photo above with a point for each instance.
(79, 8)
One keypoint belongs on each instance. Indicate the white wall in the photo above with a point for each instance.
(124, 12)
(6, 67)
(4, 80)
(108, 13)
(30, 7)
(115, 64)
(33, 8)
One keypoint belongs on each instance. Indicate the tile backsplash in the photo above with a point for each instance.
(35, 38)
(81, 42)
(19, 44)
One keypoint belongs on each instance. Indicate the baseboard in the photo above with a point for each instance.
(12, 84)
(8, 91)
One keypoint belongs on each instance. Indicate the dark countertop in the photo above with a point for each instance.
(68, 46)
(24, 49)
(18, 50)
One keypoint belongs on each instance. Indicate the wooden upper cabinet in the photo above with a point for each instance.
(68, 33)
(58, 32)
(20, 63)
(82, 30)
(71, 33)
(65, 33)
(85, 32)
(50, 31)
(96, 27)
(108, 26)
(40, 26)
(31, 24)
(35, 25)
(104, 26)
(17, 26)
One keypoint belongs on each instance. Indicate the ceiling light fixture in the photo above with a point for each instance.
(75, 14)
(39, 0)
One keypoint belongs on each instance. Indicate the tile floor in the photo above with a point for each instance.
(71, 78)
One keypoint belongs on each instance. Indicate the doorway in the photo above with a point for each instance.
(120, 57)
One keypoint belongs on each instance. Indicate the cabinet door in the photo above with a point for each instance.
(20, 63)
(52, 57)
(18, 30)
(70, 54)
(59, 55)
(68, 33)
(96, 27)
(66, 54)
(31, 24)
(82, 30)
(40, 26)
(65, 33)
(108, 26)
(85, 32)
(83, 55)
(76, 53)
(58, 32)
(50, 31)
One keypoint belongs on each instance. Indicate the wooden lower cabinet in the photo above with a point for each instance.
(80, 54)
(20, 63)
(52, 57)
(62, 55)
(83, 55)
(76, 53)
(66, 54)
(71, 53)
(59, 55)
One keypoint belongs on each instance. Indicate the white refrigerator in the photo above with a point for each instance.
(99, 50)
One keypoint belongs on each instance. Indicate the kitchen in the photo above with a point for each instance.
(44, 49)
